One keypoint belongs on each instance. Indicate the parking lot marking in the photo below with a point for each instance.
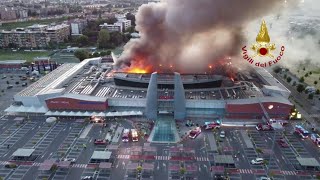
(292, 173)
(246, 171)
(36, 164)
(123, 156)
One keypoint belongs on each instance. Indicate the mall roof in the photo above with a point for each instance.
(46, 165)
(270, 79)
(28, 109)
(22, 152)
(12, 61)
(64, 164)
(46, 80)
(254, 100)
(101, 155)
(105, 165)
(310, 162)
(223, 159)
(84, 97)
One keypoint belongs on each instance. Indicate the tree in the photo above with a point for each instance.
(306, 75)
(139, 169)
(294, 83)
(131, 17)
(81, 54)
(315, 82)
(116, 38)
(182, 170)
(304, 68)
(105, 53)
(130, 29)
(96, 54)
(301, 79)
(276, 69)
(300, 88)
(318, 91)
(103, 38)
(310, 96)
(310, 73)
(82, 40)
(289, 79)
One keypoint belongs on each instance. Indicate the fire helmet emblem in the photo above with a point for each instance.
(263, 47)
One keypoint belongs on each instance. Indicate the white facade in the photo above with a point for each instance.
(125, 23)
(112, 27)
(75, 28)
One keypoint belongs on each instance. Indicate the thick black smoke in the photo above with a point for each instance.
(189, 35)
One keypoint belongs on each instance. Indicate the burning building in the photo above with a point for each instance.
(187, 36)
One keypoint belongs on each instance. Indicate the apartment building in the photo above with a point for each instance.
(8, 13)
(121, 25)
(58, 33)
(36, 36)
(112, 27)
(23, 38)
(77, 26)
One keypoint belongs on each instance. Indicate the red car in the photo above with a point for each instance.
(100, 141)
(194, 133)
(211, 125)
(283, 143)
(264, 127)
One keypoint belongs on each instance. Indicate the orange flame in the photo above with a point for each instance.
(137, 70)
(139, 66)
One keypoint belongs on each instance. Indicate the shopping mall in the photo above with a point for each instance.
(91, 88)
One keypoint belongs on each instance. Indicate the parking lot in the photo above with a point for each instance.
(74, 140)
(11, 78)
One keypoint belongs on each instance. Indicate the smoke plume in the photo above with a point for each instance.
(190, 35)
(298, 30)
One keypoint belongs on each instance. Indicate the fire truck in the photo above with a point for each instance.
(301, 131)
(134, 135)
(316, 139)
(125, 135)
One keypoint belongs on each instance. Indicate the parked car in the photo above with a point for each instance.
(87, 178)
(264, 127)
(222, 134)
(100, 141)
(3, 77)
(72, 160)
(257, 161)
(10, 165)
(189, 123)
(23, 78)
(17, 82)
(211, 125)
(24, 84)
(9, 86)
(264, 178)
(219, 177)
(283, 143)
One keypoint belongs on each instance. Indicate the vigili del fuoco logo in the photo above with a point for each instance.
(263, 49)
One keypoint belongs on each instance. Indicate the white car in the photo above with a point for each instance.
(257, 161)
(264, 178)
(222, 134)
(72, 160)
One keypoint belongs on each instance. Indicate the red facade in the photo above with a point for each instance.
(254, 111)
(76, 104)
